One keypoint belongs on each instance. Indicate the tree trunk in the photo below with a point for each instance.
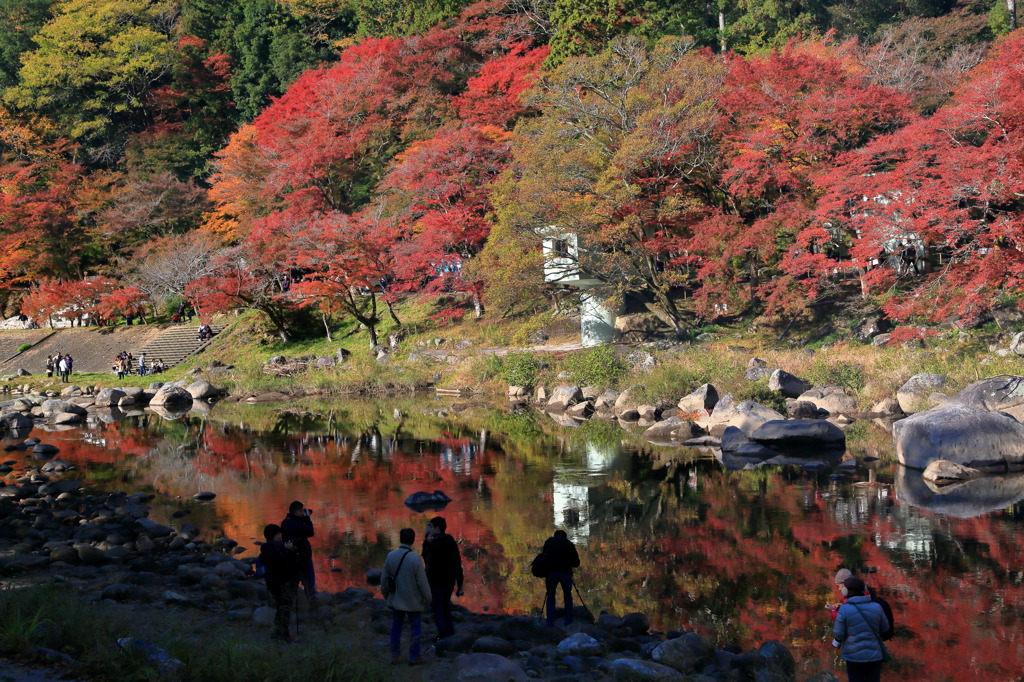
(1011, 7)
(391, 312)
(327, 327)
(371, 328)
(670, 316)
(721, 28)
(478, 305)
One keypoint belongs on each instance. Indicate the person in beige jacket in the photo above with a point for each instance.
(405, 587)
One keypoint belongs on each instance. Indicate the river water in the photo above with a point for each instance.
(741, 556)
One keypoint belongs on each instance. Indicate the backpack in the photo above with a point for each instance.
(541, 565)
(887, 634)
(390, 583)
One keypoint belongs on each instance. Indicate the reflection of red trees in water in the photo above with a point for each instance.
(769, 553)
(953, 623)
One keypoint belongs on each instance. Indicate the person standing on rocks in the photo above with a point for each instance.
(562, 558)
(858, 629)
(405, 587)
(298, 529)
(444, 573)
(281, 562)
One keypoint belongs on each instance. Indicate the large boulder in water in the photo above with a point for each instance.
(916, 395)
(995, 394)
(979, 439)
(171, 395)
(965, 499)
(746, 416)
(15, 425)
(798, 434)
(671, 431)
(56, 406)
(108, 397)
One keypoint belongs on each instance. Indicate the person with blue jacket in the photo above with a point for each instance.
(858, 628)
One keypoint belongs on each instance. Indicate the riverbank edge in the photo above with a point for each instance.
(51, 528)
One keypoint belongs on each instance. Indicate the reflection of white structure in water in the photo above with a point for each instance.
(571, 491)
(868, 507)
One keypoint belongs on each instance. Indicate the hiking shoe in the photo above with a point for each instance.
(417, 661)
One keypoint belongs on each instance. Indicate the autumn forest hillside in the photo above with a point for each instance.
(321, 162)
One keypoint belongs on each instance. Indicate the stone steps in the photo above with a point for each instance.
(176, 345)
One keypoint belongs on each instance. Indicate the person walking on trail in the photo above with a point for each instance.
(405, 587)
(298, 529)
(444, 573)
(280, 563)
(858, 629)
(562, 558)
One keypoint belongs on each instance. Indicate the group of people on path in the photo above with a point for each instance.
(412, 583)
(63, 365)
(124, 364)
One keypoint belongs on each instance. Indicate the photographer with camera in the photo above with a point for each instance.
(298, 529)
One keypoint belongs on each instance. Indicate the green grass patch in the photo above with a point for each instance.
(599, 367)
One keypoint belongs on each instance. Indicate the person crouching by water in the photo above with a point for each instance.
(405, 587)
(444, 572)
(858, 627)
(562, 557)
(281, 563)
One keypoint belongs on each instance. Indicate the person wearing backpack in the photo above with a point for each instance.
(561, 558)
(405, 587)
(858, 627)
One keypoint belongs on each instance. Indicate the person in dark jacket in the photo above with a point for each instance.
(281, 563)
(298, 529)
(444, 573)
(858, 627)
(562, 557)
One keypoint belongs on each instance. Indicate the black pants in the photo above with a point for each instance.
(864, 672)
(441, 601)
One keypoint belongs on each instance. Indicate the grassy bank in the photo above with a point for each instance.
(212, 648)
(466, 357)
